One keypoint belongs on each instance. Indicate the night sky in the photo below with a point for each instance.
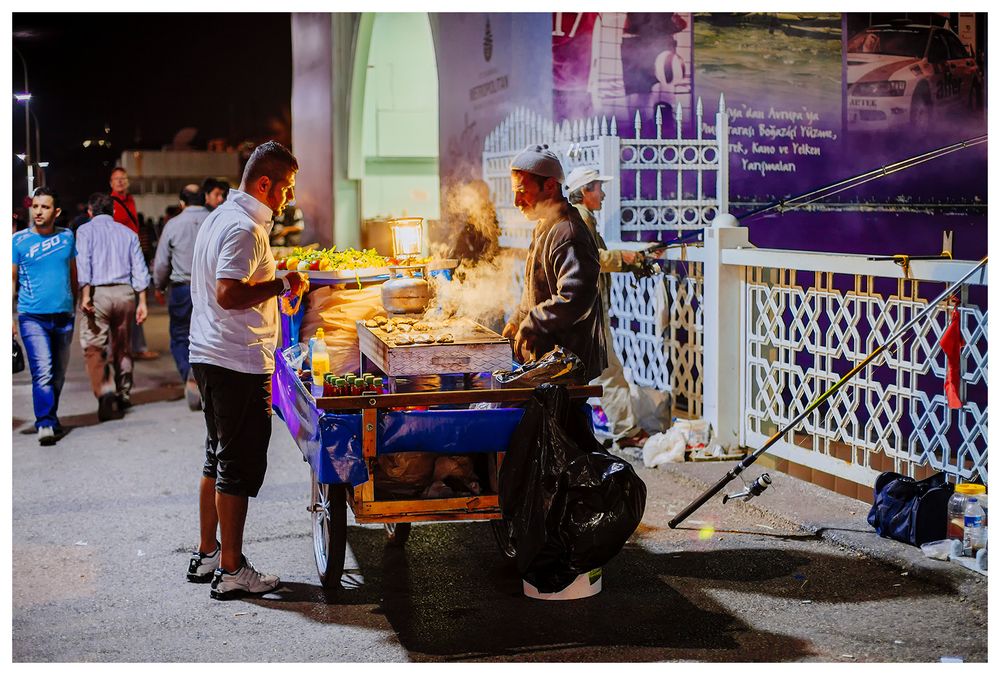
(145, 76)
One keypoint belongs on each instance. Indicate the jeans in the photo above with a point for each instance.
(47, 339)
(179, 309)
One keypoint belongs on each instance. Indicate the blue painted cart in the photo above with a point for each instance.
(342, 437)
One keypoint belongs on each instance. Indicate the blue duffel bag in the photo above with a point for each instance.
(911, 511)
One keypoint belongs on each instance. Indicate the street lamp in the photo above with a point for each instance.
(26, 99)
(38, 149)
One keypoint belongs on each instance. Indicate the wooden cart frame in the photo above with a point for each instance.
(329, 502)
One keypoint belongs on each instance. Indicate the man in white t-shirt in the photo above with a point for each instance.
(234, 327)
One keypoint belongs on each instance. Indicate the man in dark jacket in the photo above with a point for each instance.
(561, 304)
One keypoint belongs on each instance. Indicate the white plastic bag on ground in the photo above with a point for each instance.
(663, 448)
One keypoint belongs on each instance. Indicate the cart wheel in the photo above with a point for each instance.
(397, 533)
(329, 526)
(502, 533)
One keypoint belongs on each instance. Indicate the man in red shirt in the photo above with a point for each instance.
(126, 214)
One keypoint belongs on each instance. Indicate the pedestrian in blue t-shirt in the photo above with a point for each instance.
(45, 267)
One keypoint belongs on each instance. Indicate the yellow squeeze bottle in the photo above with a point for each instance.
(320, 362)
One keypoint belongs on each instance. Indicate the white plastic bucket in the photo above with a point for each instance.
(584, 586)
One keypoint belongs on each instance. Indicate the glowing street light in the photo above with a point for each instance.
(26, 99)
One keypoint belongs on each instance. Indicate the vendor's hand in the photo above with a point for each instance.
(296, 282)
(632, 258)
(87, 305)
(524, 346)
(160, 296)
(509, 331)
(141, 312)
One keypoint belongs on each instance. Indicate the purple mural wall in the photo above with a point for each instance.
(812, 99)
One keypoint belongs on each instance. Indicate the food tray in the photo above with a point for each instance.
(476, 349)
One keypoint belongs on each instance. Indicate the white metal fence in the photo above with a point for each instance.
(808, 319)
(746, 337)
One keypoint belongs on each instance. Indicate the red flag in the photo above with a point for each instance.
(951, 345)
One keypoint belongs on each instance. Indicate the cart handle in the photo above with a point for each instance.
(429, 398)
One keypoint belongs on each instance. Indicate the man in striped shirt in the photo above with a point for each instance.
(110, 271)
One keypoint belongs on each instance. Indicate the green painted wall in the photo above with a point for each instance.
(400, 128)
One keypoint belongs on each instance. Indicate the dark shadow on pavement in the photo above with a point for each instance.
(463, 601)
(163, 392)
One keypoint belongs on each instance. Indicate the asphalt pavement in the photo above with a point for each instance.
(103, 521)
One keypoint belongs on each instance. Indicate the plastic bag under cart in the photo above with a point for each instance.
(571, 505)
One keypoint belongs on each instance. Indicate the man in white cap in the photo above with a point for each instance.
(584, 186)
(560, 304)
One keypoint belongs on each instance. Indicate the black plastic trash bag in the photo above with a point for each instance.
(557, 365)
(570, 504)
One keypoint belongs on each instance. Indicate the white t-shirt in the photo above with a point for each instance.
(233, 243)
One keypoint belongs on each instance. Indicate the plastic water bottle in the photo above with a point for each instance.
(975, 534)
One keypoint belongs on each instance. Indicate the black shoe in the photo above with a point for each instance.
(124, 402)
(105, 407)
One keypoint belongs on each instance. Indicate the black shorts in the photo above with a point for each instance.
(238, 418)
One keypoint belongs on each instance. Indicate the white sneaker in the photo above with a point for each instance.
(202, 566)
(46, 435)
(244, 581)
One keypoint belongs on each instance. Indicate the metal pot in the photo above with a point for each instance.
(406, 295)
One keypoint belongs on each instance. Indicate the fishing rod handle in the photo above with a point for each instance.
(705, 496)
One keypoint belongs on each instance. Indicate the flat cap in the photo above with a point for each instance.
(539, 160)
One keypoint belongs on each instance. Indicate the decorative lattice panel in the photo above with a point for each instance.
(658, 331)
(802, 337)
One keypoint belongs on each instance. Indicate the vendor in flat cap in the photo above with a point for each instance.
(561, 304)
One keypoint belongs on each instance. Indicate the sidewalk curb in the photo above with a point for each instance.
(833, 517)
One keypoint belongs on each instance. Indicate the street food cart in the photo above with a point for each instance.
(343, 437)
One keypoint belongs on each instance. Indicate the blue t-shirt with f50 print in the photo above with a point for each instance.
(43, 271)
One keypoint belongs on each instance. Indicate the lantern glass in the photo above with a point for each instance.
(407, 236)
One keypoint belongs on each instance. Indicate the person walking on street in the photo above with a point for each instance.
(560, 304)
(45, 268)
(110, 271)
(215, 191)
(126, 214)
(234, 328)
(585, 192)
(172, 275)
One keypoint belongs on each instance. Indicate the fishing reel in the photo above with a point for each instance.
(645, 267)
(752, 490)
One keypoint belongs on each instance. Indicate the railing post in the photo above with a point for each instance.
(722, 138)
(611, 210)
(722, 372)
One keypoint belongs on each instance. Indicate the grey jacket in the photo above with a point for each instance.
(172, 263)
(561, 304)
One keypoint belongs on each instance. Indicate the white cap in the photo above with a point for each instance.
(582, 176)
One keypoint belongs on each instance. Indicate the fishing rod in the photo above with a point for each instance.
(861, 179)
(756, 454)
